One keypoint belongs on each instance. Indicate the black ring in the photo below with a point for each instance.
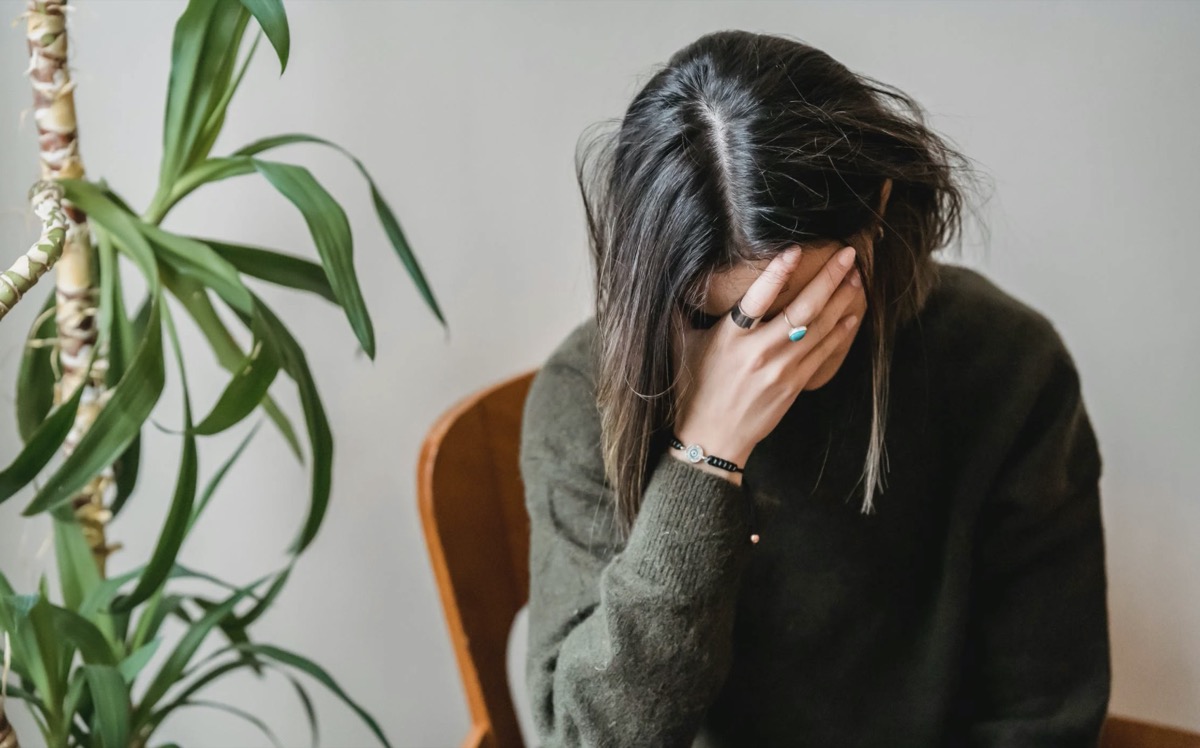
(740, 318)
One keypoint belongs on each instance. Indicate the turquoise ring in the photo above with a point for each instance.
(797, 332)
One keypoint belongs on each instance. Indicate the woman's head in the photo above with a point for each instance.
(724, 288)
(740, 146)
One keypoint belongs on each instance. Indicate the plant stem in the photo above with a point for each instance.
(75, 276)
(15, 282)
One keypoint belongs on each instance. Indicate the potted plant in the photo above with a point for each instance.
(94, 368)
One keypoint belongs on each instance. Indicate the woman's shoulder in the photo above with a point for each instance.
(561, 422)
(992, 356)
(576, 350)
(968, 316)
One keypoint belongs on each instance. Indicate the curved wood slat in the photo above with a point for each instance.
(472, 507)
(1124, 732)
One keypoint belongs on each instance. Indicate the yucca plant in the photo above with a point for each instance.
(92, 373)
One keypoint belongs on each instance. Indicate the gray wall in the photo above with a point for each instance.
(1083, 114)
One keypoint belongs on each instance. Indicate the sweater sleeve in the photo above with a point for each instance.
(1039, 667)
(629, 642)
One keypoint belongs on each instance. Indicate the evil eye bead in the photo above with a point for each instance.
(695, 453)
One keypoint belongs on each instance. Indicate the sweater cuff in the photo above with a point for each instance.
(692, 530)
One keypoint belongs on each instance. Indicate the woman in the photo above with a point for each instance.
(796, 483)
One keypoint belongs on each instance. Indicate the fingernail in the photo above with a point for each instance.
(846, 256)
(855, 278)
(787, 260)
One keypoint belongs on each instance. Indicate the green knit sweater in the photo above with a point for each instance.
(968, 610)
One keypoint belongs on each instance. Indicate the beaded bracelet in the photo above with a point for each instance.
(695, 453)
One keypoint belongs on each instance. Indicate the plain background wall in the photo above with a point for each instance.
(1083, 114)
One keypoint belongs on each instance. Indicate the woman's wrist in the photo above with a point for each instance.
(712, 444)
(735, 478)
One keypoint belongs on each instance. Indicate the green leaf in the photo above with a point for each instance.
(201, 68)
(235, 627)
(210, 170)
(310, 712)
(275, 267)
(387, 218)
(99, 598)
(262, 726)
(232, 629)
(330, 230)
(120, 223)
(216, 118)
(198, 684)
(112, 303)
(35, 378)
(229, 355)
(176, 524)
(268, 599)
(116, 425)
(126, 470)
(196, 259)
(395, 234)
(320, 437)
(310, 668)
(81, 633)
(51, 654)
(170, 671)
(252, 376)
(271, 17)
(78, 702)
(134, 396)
(154, 613)
(77, 570)
(111, 700)
(120, 336)
(41, 447)
(246, 389)
(182, 572)
(137, 660)
(32, 700)
(218, 476)
(14, 618)
(247, 660)
(111, 195)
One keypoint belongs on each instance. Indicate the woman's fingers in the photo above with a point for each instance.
(762, 292)
(803, 309)
(805, 355)
(828, 342)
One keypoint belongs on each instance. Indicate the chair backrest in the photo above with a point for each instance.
(472, 504)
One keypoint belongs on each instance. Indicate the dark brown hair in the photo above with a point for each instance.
(741, 145)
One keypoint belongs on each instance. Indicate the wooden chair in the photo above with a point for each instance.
(473, 514)
(1122, 732)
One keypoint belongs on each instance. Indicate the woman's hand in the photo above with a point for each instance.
(738, 383)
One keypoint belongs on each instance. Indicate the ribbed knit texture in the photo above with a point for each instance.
(968, 610)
